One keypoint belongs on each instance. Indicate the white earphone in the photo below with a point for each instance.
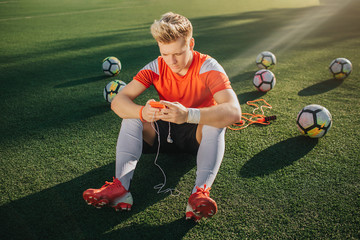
(169, 139)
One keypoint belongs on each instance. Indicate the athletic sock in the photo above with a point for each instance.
(128, 150)
(209, 156)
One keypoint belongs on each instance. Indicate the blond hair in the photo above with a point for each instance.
(170, 27)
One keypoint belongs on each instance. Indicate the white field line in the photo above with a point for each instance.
(66, 13)
(9, 2)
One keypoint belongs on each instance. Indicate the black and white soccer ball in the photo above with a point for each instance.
(264, 80)
(112, 88)
(111, 66)
(340, 68)
(314, 121)
(265, 60)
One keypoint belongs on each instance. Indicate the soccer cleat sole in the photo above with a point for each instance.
(193, 216)
(190, 214)
(124, 203)
(205, 207)
(90, 200)
(122, 207)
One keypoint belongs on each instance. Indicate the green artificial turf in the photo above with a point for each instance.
(58, 135)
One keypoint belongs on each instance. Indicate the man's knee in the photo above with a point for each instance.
(209, 132)
(131, 123)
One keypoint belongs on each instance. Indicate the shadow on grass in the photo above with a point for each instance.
(278, 156)
(250, 96)
(321, 87)
(56, 115)
(60, 212)
(243, 77)
(84, 113)
(107, 38)
(174, 231)
(81, 81)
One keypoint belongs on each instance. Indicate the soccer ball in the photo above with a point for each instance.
(314, 121)
(111, 66)
(264, 80)
(265, 60)
(112, 88)
(340, 68)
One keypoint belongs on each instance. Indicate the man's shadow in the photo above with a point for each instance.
(278, 156)
(31, 217)
(175, 230)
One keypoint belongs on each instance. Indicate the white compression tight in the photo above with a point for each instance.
(129, 149)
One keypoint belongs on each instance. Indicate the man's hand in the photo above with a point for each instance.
(151, 114)
(174, 112)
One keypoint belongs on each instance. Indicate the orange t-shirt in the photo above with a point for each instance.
(195, 89)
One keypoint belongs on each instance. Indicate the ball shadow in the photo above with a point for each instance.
(278, 156)
(81, 81)
(246, 76)
(250, 96)
(321, 87)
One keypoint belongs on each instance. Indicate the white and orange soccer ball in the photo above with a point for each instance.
(264, 80)
(111, 66)
(340, 68)
(112, 88)
(314, 121)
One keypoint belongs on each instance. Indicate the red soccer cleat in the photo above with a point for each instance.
(112, 193)
(201, 205)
